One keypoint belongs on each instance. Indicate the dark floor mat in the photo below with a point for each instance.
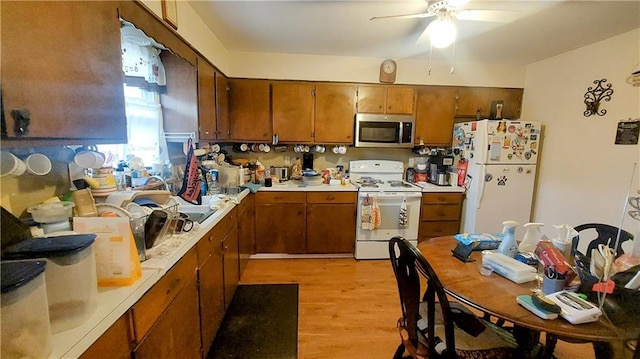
(261, 322)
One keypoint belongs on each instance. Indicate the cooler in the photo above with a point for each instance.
(71, 284)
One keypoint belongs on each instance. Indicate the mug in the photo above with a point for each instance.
(38, 164)
(89, 159)
(336, 150)
(10, 165)
(64, 155)
(180, 223)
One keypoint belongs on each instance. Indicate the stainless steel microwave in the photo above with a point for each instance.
(373, 130)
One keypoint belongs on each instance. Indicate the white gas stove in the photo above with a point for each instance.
(382, 181)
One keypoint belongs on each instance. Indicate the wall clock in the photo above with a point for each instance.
(388, 69)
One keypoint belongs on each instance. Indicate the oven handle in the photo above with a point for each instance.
(390, 194)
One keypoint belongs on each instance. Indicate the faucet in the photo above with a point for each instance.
(155, 179)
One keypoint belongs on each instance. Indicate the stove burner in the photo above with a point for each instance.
(399, 184)
(369, 184)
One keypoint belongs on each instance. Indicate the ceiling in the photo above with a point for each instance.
(530, 31)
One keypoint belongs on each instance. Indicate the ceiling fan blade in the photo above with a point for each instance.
(407, 16)
(503, 16)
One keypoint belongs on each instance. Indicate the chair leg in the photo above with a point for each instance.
(549, 346)
(399, 352)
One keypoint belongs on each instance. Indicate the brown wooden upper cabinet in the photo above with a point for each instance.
(473, 99)
(180, 101)
(59, 85)
(435, 109)
(386, 99)
(223, 129)
(318, 113)
(206, 100)
(249, 110)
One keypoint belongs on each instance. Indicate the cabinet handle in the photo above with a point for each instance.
(176, 283)
(330, 198)
(278, 197)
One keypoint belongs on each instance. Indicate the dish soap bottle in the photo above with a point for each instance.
(509, 246)
(531, 237)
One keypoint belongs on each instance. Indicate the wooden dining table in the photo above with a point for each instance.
(496, 296)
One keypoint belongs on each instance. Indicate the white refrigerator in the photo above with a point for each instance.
(502, 157)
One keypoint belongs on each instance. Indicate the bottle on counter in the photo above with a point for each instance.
(410, 175)
(509, 246)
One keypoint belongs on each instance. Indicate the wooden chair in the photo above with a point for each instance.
(434, 329)
(606, 235)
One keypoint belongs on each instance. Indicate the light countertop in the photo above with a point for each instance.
(430, 187)
(298, 186)
(113, 302)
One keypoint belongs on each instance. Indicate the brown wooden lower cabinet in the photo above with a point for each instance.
(246, 231)
(230, 265)
(176, 333)
(280, 222)
(115, 343)
(331, 222)
(211, 279)
(440, 215)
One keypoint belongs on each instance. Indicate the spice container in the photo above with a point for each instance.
(25, 328)
(71, 279)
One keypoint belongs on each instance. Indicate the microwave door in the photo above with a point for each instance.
(375, 133)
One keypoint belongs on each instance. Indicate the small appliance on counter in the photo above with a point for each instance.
(439, 169)
(281, 172)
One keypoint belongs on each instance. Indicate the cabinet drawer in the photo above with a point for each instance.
(280, 197)
(147, 310)
(437, 229)
(439, 198)
(439, 212)
(331, 197)
(212, 239)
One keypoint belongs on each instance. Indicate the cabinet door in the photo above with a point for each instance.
(371, 99)
(331, 228)
(230, 259)
(292, 111)
(335, 113)
(399, 100)
(434, 115)
(206, 100)
(222, 107)
(472, 99)
(249, 110)
(280, 228)
(71, 85)
(246, 231)
(175, 334)
(180, 102)
(211, 280)
(115, 343)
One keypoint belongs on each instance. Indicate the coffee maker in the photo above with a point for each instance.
(439, 166)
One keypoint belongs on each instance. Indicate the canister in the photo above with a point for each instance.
(71, 279)
(25, 327)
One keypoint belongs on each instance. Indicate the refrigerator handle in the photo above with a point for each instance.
(481, 176)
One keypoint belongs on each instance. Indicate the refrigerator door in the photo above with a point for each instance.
(504, 142)
(498, 193)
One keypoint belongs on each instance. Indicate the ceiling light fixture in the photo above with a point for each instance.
(442, 31)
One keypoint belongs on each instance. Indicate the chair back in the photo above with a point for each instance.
(606, 235)
(408, 264)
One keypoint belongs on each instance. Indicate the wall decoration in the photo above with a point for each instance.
(594, 95)
(170, 12)
(628, 132)
(634, 79)
(496, 109)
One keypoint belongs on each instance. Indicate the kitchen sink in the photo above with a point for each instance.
(198, 214)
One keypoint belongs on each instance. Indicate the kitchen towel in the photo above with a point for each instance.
(375, 214)
(190, 191)
(402, 216)
(366, 219)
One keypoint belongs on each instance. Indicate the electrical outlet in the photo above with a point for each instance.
(287, 161)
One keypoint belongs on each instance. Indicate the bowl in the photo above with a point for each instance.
(51, 212)
(312, 181)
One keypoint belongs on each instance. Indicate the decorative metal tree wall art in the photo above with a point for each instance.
(594, 95)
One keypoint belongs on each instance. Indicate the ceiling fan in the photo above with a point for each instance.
(442, 30)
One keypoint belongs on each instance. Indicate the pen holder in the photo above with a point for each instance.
(552, 285)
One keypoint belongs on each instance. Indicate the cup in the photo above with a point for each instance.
(256, 147)
(336, 150)
(10, 165)
(342, 149)
(137, 223)
(38, 164)
(552, 285)
(64, 155)
(89, 159)
(266, 148)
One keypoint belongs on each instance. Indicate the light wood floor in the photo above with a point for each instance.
(348, 309)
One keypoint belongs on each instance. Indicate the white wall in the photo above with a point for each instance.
(583, 176)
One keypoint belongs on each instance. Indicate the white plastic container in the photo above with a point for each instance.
(25, 328)
(71, 280)
(51, 212)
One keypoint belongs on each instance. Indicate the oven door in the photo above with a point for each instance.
(390, 204)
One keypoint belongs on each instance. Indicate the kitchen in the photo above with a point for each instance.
(571, 163)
